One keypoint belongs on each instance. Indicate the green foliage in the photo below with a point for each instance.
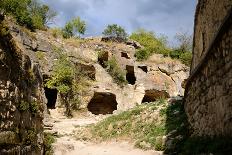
(24, 106)
(40, 55)
(183, 50)
(30, 13)
(68, 30)
(62, 74)
(74, 27)
(79, 26)
(34, 107)
(142, 54)
(136, 124)
(116, 31)
(48, 140)
(68, 80)
(150, 42)
(186, 58)
(30, 137)
(115, 71)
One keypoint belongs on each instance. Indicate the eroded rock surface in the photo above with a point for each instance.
(21, 98)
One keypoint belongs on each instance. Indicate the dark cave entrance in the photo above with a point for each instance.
(130, 75)
(144, 68)
(153, 95)
(102, 103)
(103, 57)
(51, 95)
(125, 55)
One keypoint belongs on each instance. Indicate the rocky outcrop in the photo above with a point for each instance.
(164, 76)
(208, 100)
(21, 98)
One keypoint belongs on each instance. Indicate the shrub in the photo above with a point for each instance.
(115, 71)
(24, 106)
(142, 54)
(115, 31)
(186, 58)
(151, 44)
(68, 80)
(48, 140)
(74, 27)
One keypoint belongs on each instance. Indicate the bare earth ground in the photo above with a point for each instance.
(67, 144)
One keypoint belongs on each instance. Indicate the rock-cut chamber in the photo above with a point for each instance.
(102, 103)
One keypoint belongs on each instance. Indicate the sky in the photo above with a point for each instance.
(161, 16)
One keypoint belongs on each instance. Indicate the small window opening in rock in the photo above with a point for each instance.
(125, 55)
(102, 103)
(144, 68)
(103, 57)
(88, 70)
(153, 95)
(130, 75)
(51, 95)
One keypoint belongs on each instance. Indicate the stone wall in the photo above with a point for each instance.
(21, 99)
(208, 19)
(208, 99)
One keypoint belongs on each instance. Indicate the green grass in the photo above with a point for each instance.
(48, 140)
(147, 126)
(136, 124)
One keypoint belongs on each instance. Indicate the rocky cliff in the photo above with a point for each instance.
(21, 98)
(158, 77)
(208, 98)
(27, 59)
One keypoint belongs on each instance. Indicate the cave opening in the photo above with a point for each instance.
(144, 68)
(102, 103)
(103, 57)
(130, 75)
(153, 95)
(51, 95)
(125, 55)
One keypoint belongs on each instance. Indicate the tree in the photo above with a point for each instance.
(183, 49)
(74, 27)
(150, 42)
(68, 79)
(68, 30)
(30, 13)
(116, 31)
(184, 41)
(79, 26)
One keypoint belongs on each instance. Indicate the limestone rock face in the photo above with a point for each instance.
(161, 76)
(21, 98)
(208, 100)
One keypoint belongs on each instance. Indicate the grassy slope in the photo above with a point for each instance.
(146, 125)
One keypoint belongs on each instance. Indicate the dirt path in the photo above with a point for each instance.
(66, 144)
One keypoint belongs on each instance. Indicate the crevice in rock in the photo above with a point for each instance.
(102, 103)
(166, 73)
(130, 75)
(125, 55)
(144, 68)
(153, 95)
